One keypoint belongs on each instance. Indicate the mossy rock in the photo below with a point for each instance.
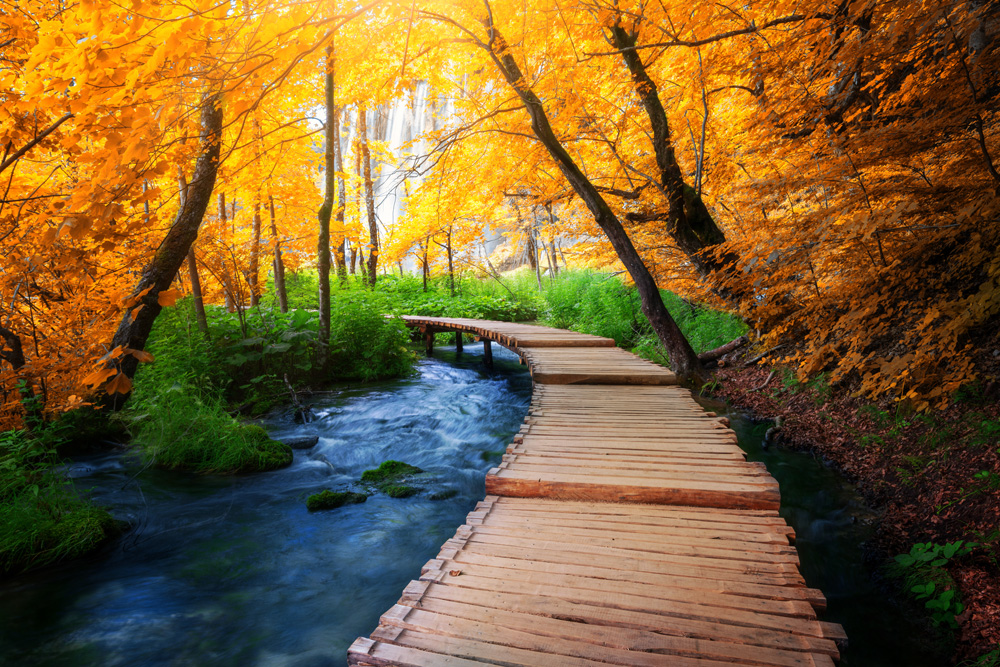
(399, 490)
(389, 471)
(326, 500)
(444, 495)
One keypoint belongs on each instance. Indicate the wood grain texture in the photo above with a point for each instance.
(623, 526)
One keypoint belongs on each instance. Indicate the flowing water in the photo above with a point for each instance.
(235, 571)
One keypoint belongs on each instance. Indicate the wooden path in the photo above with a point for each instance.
(624, 527)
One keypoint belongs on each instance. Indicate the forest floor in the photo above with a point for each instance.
(932, 477)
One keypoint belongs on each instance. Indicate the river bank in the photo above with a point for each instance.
(930, 479)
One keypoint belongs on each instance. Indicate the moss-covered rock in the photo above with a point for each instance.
(325, 500)
(399, 490)
(389, 471)
(444, 495)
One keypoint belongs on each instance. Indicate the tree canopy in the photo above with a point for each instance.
(826, 169)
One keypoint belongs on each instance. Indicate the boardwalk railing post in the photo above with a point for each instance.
(459, 342)
(487, 354)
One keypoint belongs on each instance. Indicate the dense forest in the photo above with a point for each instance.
(824, 172)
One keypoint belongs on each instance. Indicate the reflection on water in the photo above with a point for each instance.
(831, 524)
(235, 571)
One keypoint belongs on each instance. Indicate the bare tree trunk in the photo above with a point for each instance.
(683, 360)
(689, 223)
(426, 268)
(451, 265)
(224, 278)
(12, 351)
(279, 264)
(137, 321)
(354, 259)
(253, 278)
(339, 239)
(366, 161)
(323, 244)
(192, 262)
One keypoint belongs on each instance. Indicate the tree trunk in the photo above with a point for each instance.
(366, 161)
(425, 266)
(192, 263)
(279, 264)
(323, 243)
(689, 223)
(683, 360)
(137, 321)
(354, 259)
(225, 280)
(253, 278)
(339, 239)
(451, 266)
(361, 266)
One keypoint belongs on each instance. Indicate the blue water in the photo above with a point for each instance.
(235, 571)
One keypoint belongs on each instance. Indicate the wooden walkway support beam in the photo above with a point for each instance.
(488, 354)
(624, 526)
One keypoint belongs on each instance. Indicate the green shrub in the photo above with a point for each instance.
(366, 345)
(325, 500)
(180, 431)
(602, 305)
(42, 518)
(924, 576)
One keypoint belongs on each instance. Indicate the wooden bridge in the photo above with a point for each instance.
(624, 526)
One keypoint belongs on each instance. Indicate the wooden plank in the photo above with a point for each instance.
(624, 526)
(613, 572)
(621, 646)
(678, 556)
(582, 612)
(620, 489)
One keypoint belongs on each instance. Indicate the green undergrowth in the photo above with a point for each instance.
(515, 299)
(326, 500)
(924, 575)
(602, 305)
(43, 520)
(179, 430)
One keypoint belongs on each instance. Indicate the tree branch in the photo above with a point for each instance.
(31, 144)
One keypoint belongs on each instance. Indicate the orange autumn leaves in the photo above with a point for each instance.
(847, 151)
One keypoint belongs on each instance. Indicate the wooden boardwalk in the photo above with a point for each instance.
(624, 526)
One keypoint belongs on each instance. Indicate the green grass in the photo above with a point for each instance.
(602, 305)
(325, 500)
(180, 431)
(43, 520)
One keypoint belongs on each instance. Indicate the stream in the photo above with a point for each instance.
(235, 570)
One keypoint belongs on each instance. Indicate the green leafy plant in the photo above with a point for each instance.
(923, 572)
